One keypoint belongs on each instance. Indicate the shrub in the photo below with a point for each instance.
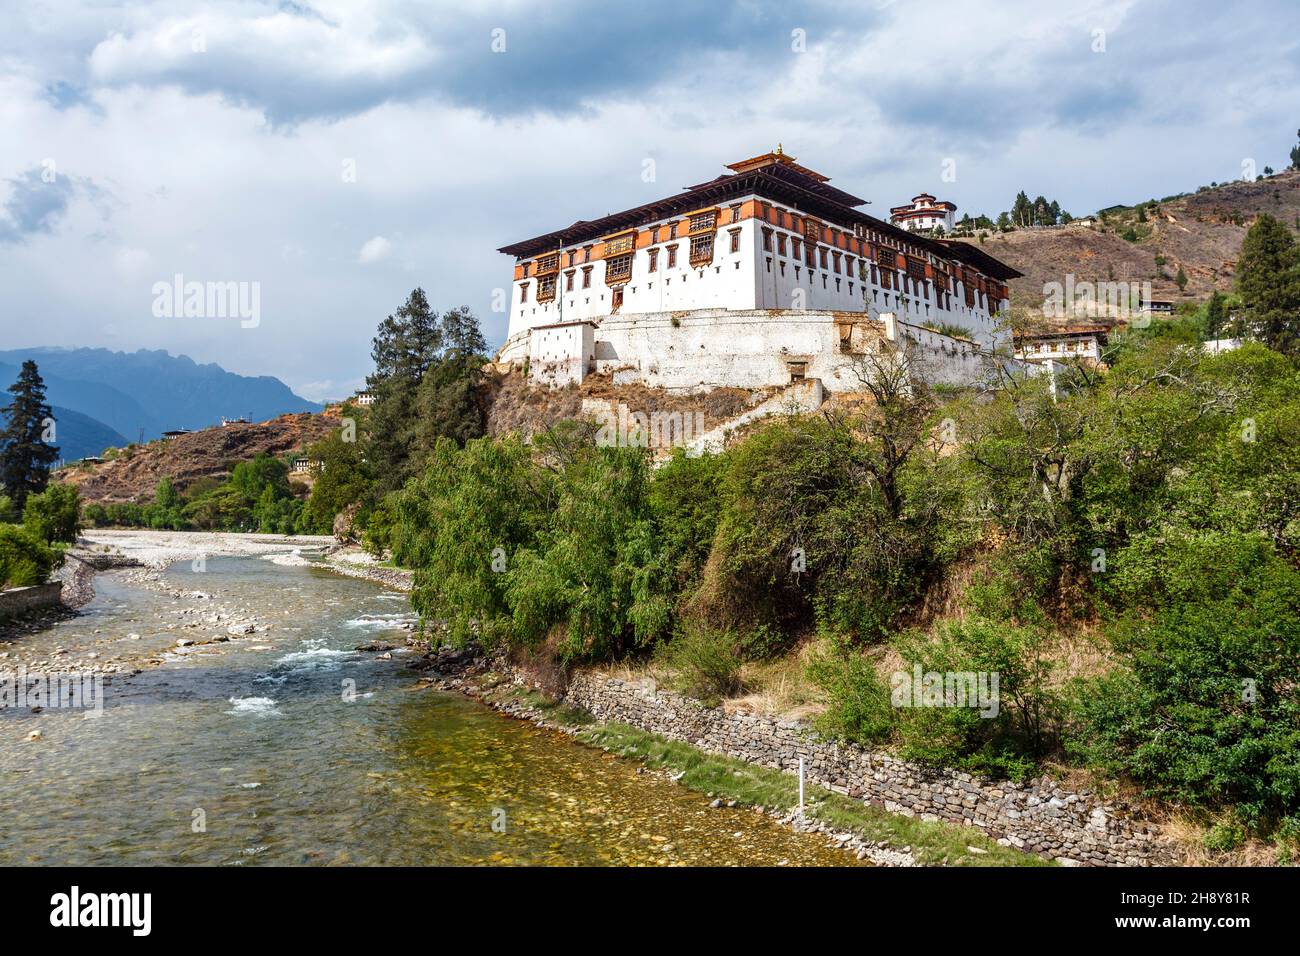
(25, 558)
(706, 662)
(858, 708)
(1005, 739)
(54, 514)
(95, 514)
(1205, 708)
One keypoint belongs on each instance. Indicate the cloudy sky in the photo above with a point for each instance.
(339, 153)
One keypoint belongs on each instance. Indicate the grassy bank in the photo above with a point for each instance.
(933, 844)
(750, 785)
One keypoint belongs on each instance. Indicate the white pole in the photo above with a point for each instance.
(801, 786)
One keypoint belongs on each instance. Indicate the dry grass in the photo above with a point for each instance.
(780, 688)
(1188, 833)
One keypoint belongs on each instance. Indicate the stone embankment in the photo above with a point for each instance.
(1073, 828)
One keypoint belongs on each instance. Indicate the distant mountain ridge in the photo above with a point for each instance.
(151, 391)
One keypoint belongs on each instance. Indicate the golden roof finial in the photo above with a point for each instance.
(779, 151)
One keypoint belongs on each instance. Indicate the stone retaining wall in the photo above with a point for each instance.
(19, 600)
(1039, 816)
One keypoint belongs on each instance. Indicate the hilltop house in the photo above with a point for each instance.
(762, 276)
(924, 214)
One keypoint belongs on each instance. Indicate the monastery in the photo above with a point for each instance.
(764, 276)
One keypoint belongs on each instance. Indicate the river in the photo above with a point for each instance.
(289, 747)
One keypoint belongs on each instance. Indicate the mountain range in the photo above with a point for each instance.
(115, 397)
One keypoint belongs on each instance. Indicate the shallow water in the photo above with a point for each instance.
(288, 747)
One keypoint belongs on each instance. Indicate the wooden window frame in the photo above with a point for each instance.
(698, 254)
(616, 263)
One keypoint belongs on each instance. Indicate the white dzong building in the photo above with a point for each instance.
(764, 275)
(924, 214)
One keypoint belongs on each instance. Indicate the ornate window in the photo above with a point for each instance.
(618, 245)
(703, 221)
(702, 249)
(654, 260)
(619, 268)
(672, 257)
(549, 263)
(545, 288)
(586, 277)
(735, 240)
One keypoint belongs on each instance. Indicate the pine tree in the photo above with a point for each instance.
(1295, 153)
(1268, 279)
(25, 455)
(1216, 315)
(1021, 210)
(427, 373)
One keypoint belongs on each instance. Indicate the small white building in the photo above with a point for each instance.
(1077, 342)
(562, 353)
(924, 214)
(365, 399)
(1218, 346)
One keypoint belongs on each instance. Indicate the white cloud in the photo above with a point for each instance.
(373, 250)
(194, 176)
(131, 262)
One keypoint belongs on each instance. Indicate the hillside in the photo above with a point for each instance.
(1201, 232)
(152, 391)
(187, 458)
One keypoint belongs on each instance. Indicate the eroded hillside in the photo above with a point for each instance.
(212, 452)
(1200, 232)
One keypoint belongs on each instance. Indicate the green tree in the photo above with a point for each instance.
(427, 373)
(1181, 279)
(54, 514)
(25, 454)
(1268, 280)
(460, 525)
(1216, 315)
(344, 478)
(253, 477)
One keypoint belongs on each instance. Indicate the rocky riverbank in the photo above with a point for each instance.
(195, 619)
(356, 563)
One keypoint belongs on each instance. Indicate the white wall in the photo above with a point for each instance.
(561, 354)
